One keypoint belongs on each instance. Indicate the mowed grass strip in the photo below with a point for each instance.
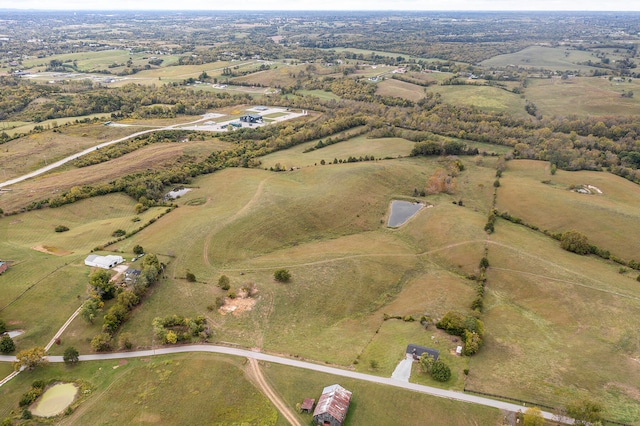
(377, 404)
(559, 326)
(183, 389)
(609, 220)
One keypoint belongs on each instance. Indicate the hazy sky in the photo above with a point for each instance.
(619, 5)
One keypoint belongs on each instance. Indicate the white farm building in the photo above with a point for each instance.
(104, 262)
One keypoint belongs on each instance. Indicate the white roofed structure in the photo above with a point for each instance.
(104, 262)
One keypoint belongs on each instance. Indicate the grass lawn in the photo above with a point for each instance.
(183, 389)
(377, 404)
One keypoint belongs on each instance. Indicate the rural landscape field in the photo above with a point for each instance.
(214, 224)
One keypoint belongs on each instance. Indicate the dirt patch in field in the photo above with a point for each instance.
(51, 250)
(236, 306)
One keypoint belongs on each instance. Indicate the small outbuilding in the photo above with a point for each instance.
(251, 118)
(3, 266)
(417, 351)
(307, 405)
(332, 406)
(132, 275)
(104, 262)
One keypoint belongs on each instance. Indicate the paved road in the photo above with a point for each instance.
(87, 151)
(443, 393)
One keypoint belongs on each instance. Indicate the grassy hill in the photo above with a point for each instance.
(558, 326)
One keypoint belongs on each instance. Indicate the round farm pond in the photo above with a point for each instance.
(402, 211)
(55, 400)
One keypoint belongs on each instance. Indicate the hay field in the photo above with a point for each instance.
(609, 219)
(551, 58)
(560, 327)
(583, 96)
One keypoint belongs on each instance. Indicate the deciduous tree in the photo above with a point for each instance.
(30, 358)
(71, 355)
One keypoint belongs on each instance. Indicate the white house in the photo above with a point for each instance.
(104, 262)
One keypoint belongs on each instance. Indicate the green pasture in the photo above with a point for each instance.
(182, 72)
(17, 127)
(358, 146)
(609, 220)
(281, 76)
(182, 389)
(377, 404)
(383, 53)
(583, 96)
(47, 267)
(559, 326)
(551, 58)
(100, 60)
(488, 98)
(326, 96)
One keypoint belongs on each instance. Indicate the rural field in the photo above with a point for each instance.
(279, 241)
(541, 57)
(582, 96)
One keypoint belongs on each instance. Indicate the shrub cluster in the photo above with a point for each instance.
(32, 394)
(470, 328)
(174, 328)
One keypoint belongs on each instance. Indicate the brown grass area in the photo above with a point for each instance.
(51, 250)
(609, 219)
(274, 77)
(148, 158)
(31, 152)
(400, 89)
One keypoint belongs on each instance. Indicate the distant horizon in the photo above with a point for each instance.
(326, 6)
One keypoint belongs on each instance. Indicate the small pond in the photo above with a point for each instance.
(178, 192)
(15, 333)
(402, 211)
(55, 400)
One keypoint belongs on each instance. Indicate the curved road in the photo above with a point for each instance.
(443, 393)
(88, 150)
